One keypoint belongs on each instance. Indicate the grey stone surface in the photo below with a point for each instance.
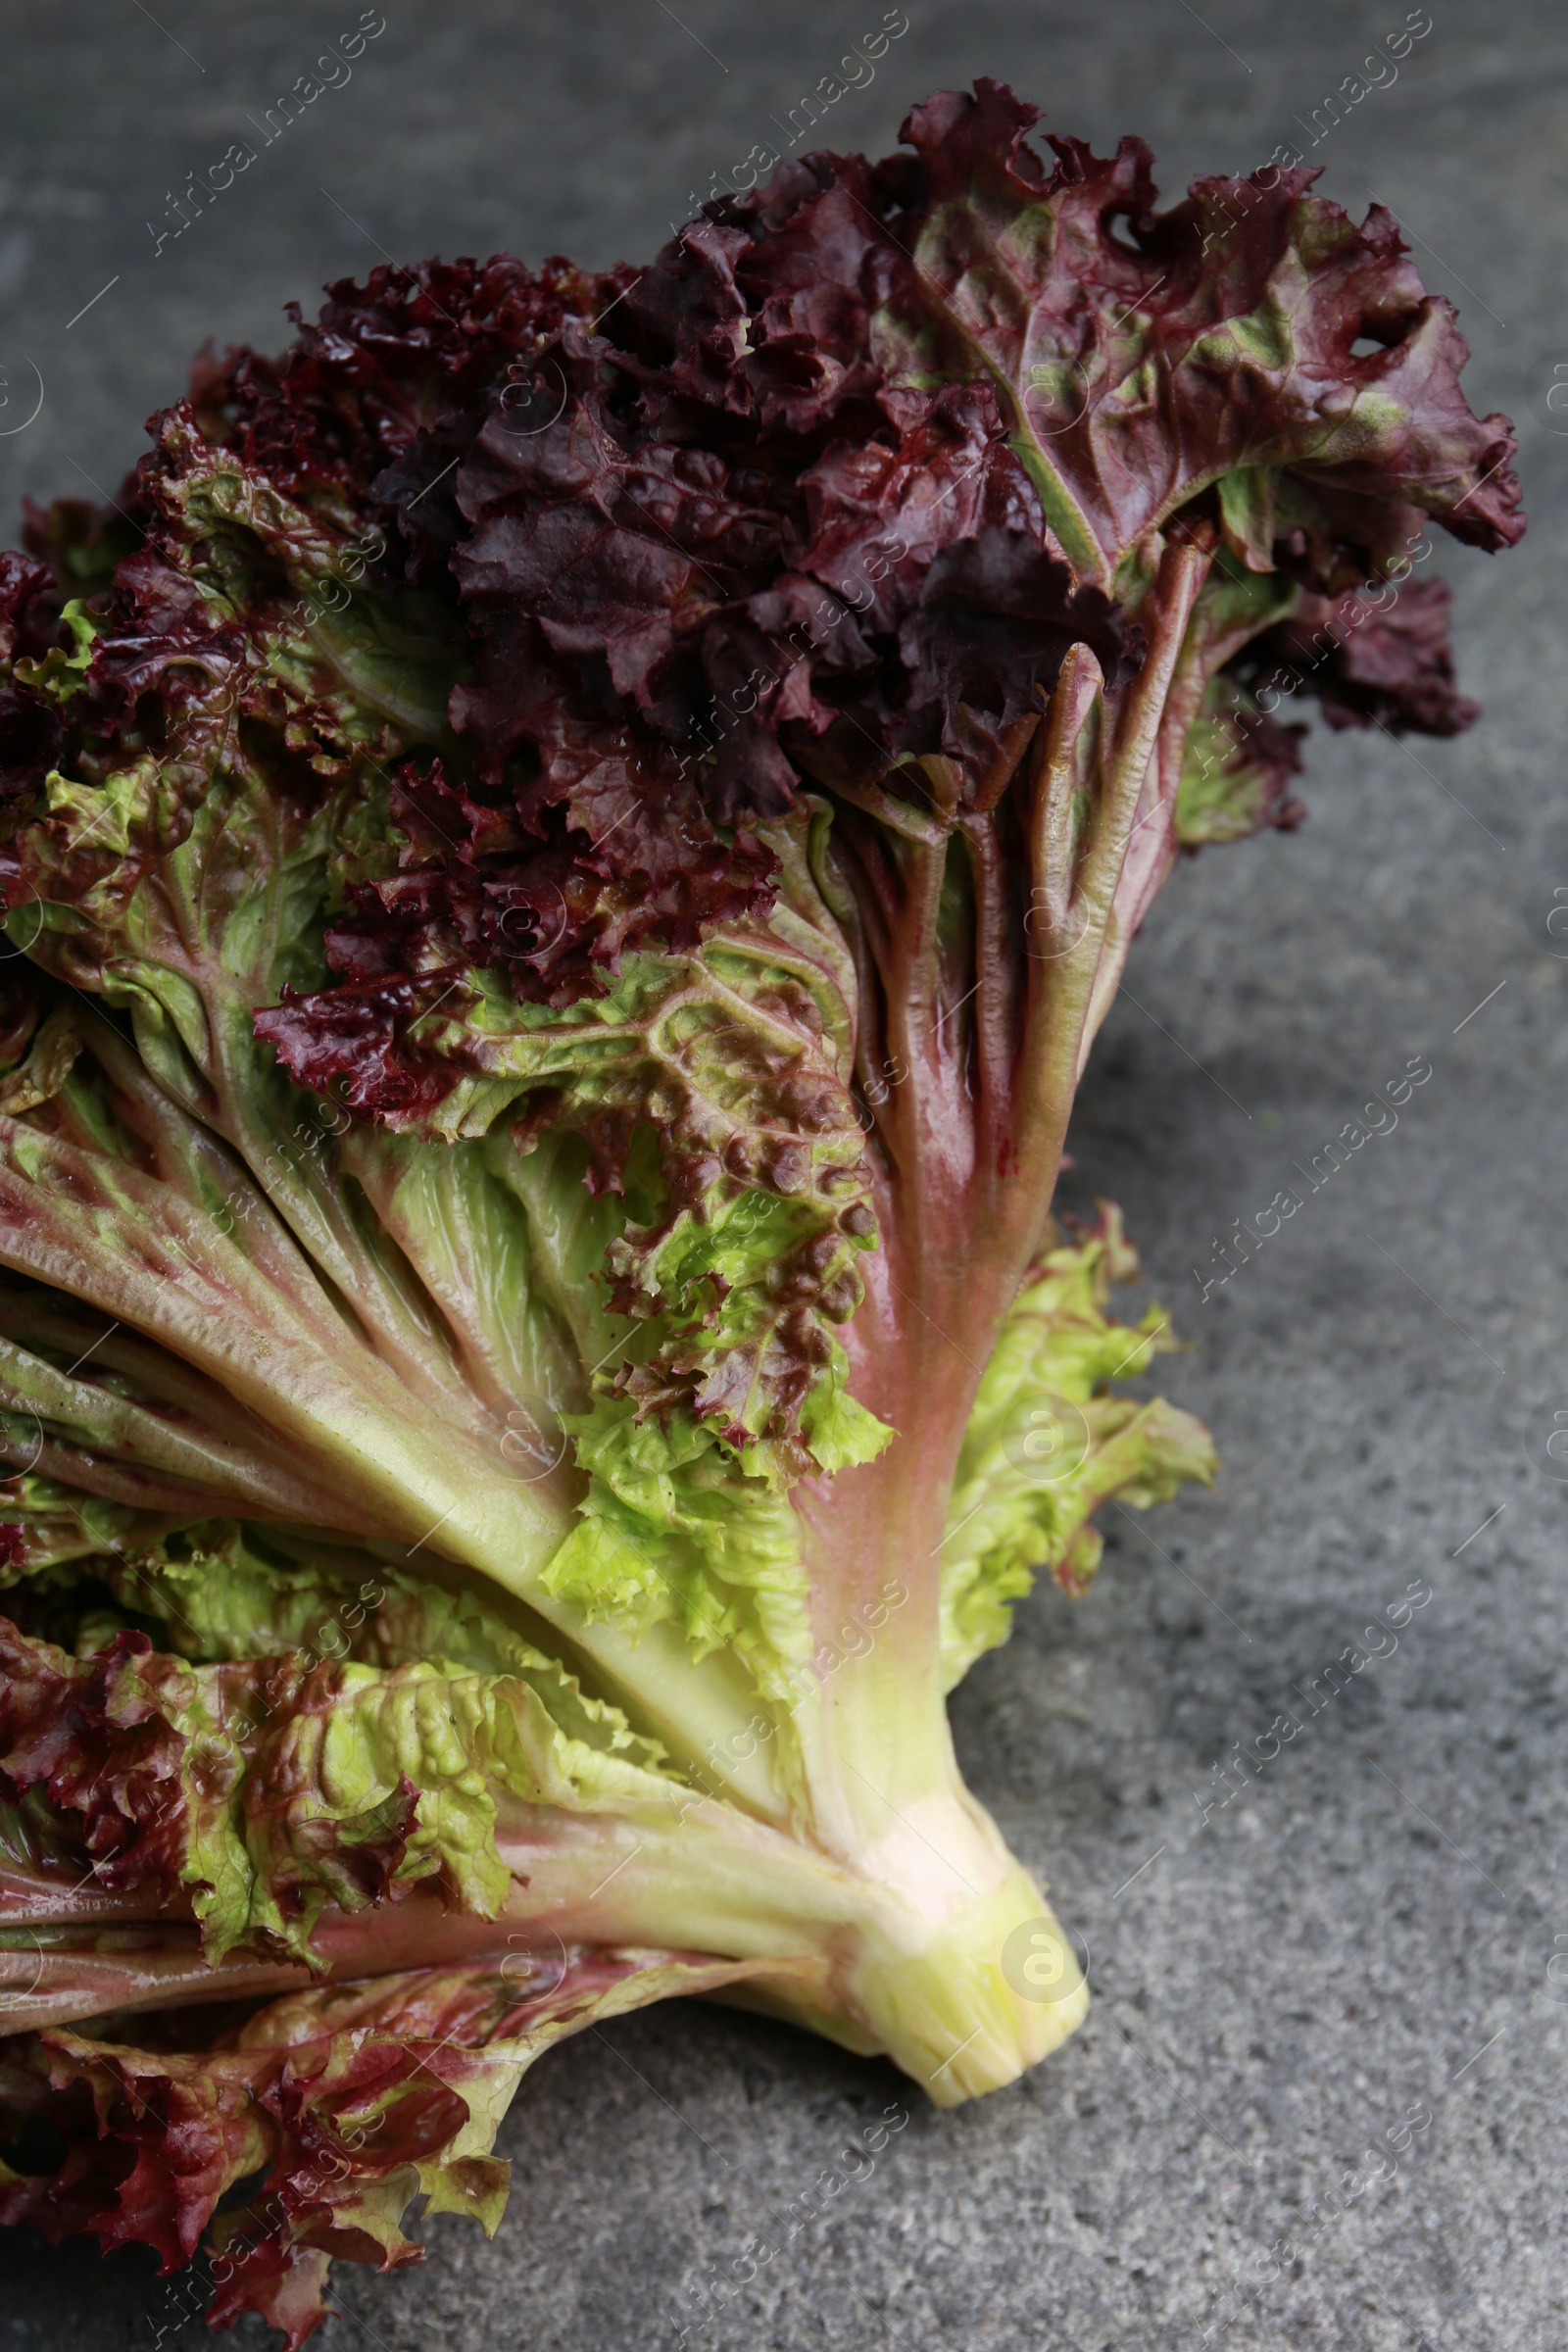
(1367, 1932)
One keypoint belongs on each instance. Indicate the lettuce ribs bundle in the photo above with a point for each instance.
(566, 846)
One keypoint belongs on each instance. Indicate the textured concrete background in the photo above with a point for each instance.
(1365, 1936)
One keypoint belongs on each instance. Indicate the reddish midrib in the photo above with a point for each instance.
(938, 1289)
(917, 1349)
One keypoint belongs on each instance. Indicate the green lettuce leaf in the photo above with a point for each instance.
(1047, 1443)
(284, 1785)
(342, 2105)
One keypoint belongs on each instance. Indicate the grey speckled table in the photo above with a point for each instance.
(1368, 1934)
